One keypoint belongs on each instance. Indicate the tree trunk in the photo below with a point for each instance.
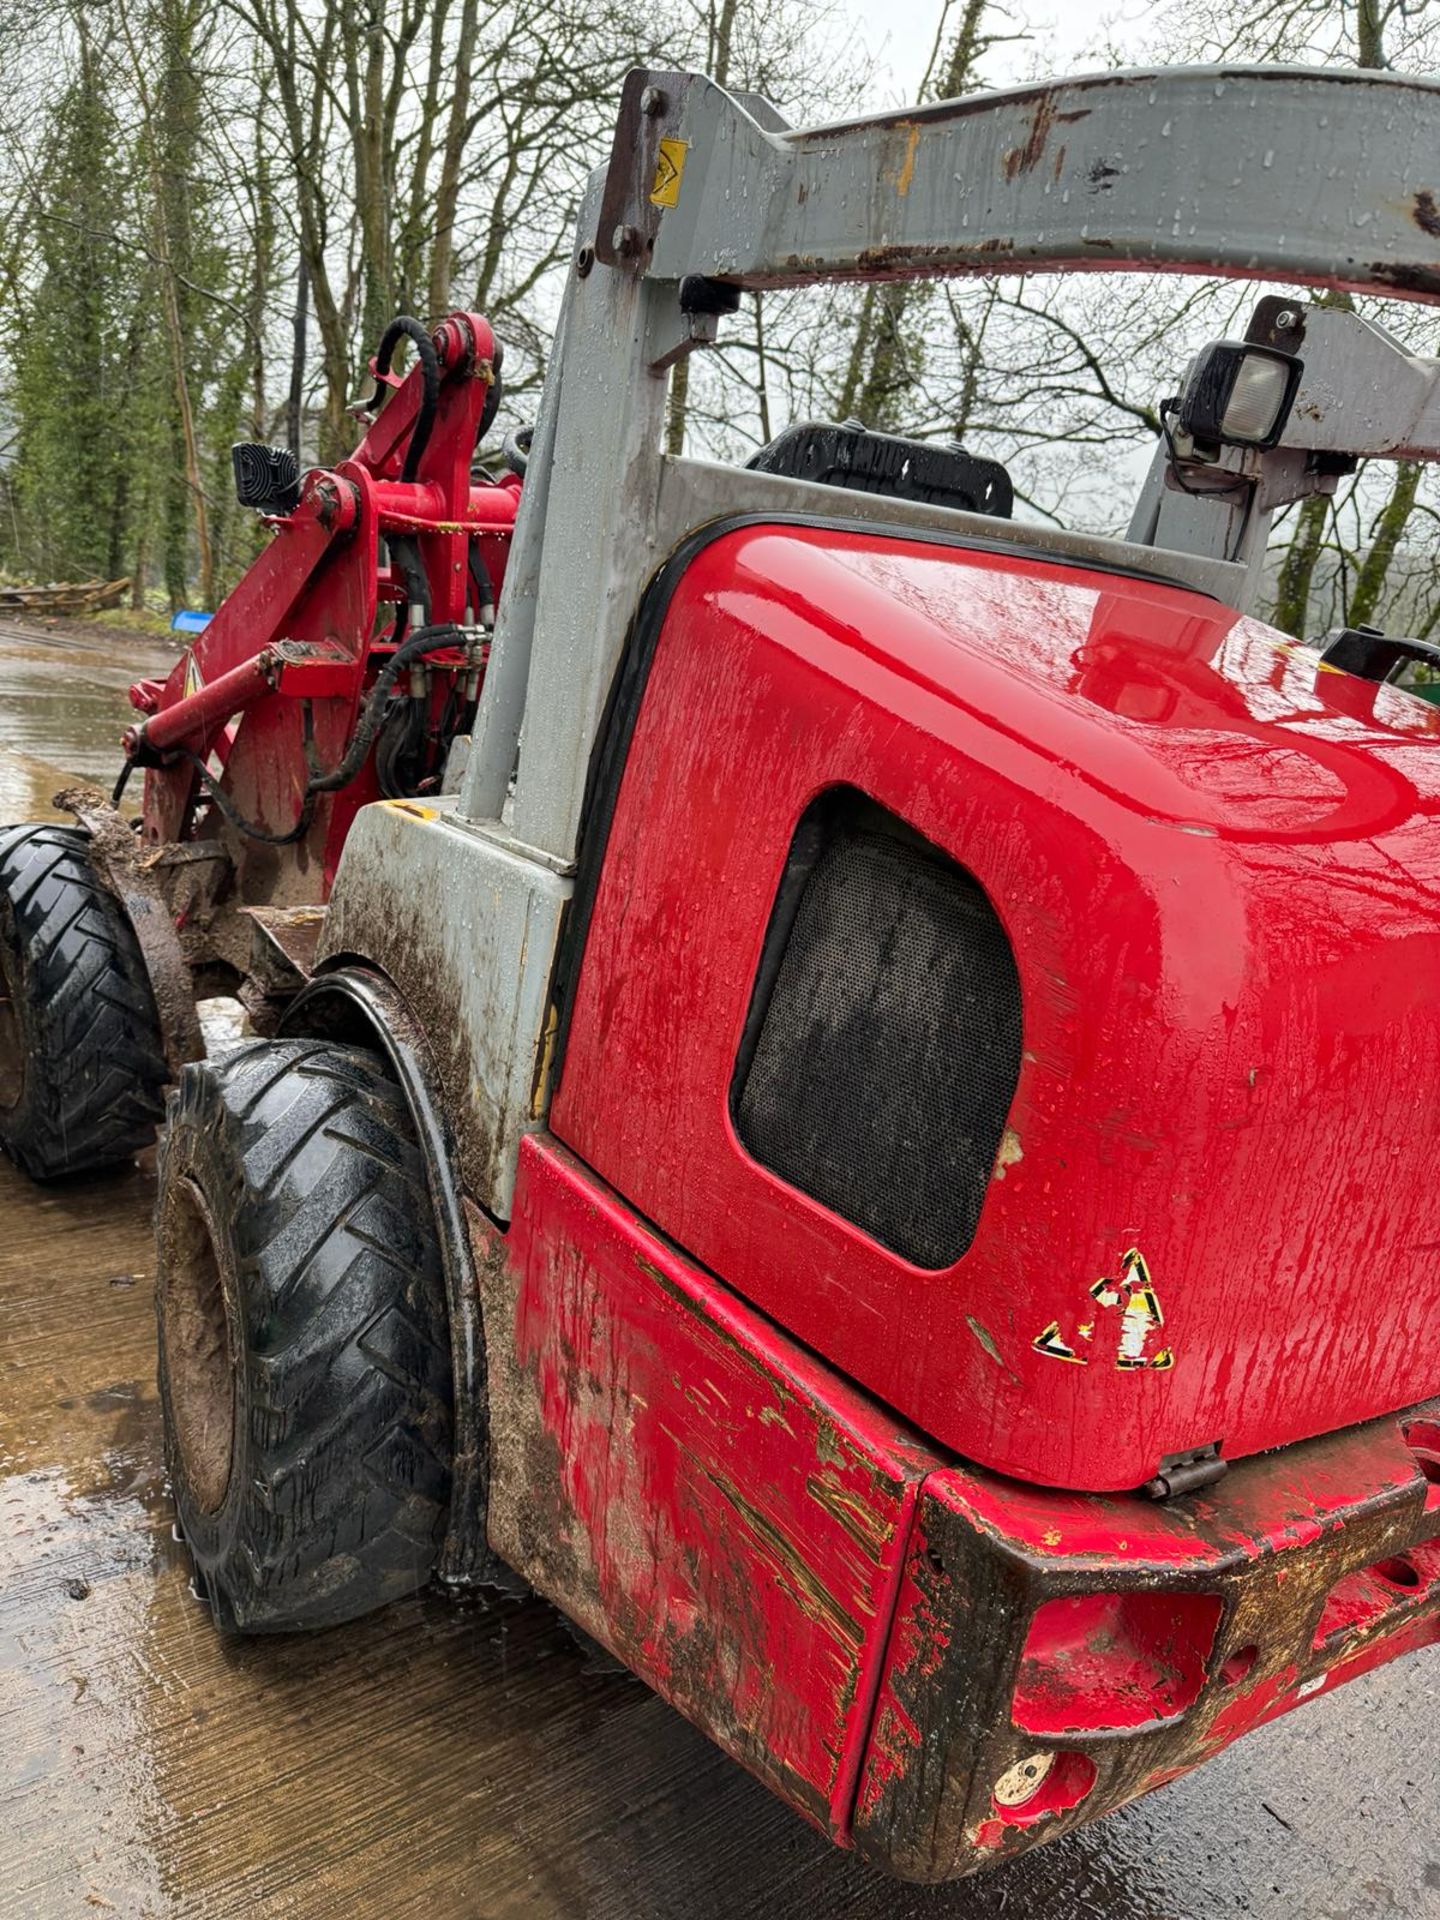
(1292, 594)
(675, 413)
(125, 475)
(762, 373)
(958, 73)
(447, 191)
(1389, 531)
(174, 119)
(372, 194)
(1370, 34)
(264, 246)
(878, 373)
(886, 373)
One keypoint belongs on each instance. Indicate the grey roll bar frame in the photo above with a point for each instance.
(1296, 174)
(1299, 175)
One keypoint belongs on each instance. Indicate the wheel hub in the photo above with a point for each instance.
(198, 1348)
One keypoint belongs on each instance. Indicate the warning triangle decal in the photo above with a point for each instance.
(1050, 1342)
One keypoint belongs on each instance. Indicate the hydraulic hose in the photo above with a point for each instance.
(492, 398)
(424, 640)
(250, 829)
(483, 598)
(515, 449)
(404, 328)
(405, 552)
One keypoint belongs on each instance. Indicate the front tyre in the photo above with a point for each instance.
(304, 1349)
(82, 1061)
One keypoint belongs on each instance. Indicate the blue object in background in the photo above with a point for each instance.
(187, 622)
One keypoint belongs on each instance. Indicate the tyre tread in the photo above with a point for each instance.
(346, 1465)
(96, 1067)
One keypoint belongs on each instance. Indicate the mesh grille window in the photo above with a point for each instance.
(883, 1045)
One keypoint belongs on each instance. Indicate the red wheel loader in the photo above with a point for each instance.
(876, 1149)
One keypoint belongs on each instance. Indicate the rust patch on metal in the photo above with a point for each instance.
(1403, 278)
(942, 112)
(1427, 213)
(1025, 159)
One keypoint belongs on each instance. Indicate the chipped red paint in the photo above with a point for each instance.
(715, 1506)
(1113, 1659)
(1218, 867)
(1249, 1709)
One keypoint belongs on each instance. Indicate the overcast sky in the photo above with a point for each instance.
(900, 33)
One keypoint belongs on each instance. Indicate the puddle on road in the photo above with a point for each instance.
(63, 708)
(148, 1767)
(27, 788)
(63, 696)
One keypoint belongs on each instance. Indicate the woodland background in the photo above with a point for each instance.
(209, 209)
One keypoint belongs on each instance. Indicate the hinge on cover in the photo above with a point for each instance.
(1187, 1472)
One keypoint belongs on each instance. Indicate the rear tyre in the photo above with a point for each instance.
(82, 1062)
(304, 1345)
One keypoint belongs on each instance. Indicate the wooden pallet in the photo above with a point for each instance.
(83, 596)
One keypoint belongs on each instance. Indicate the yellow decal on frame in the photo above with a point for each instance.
(669, 170)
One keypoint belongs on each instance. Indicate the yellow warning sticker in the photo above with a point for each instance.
(669, 170)
(1049, 1342)
(1134, 1298)
(193, 682)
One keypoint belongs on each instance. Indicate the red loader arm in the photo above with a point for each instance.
(238, 742)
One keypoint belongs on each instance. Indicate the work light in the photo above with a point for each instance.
(1239, 395)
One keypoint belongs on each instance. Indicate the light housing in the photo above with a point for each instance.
(1239, 395)
(1112, 1661)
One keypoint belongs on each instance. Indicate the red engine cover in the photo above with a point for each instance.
(1217, 866)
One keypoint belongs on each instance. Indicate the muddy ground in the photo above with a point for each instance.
(451, 1763)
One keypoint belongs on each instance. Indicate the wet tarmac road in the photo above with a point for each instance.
(63, 704)
(455, 1763)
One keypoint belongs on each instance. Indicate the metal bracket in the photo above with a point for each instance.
(283, 941)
